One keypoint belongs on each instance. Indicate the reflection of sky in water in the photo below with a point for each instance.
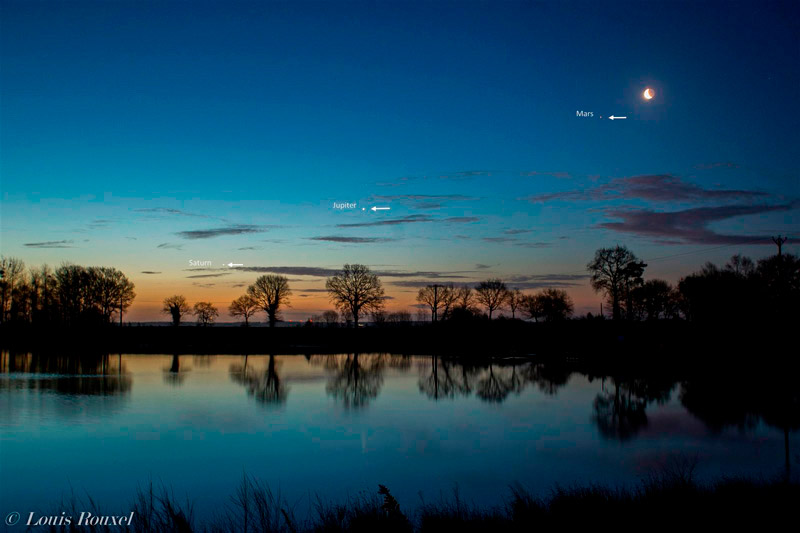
(283, 422)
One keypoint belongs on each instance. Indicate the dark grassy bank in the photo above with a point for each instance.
(672, 497)
(601, 339)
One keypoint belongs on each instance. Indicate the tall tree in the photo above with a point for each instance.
(354, 290)
(464, 298)
(532, 307)
(492, 294)
(438, 298)
(555, 305)
(244, 306)
(12, 273)
(205, 313)
(615, 272)
(271, 291)
(177, 307)
(653, 300)
(112, 291)
(514, 301)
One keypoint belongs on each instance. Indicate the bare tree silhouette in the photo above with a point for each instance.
(244, 306)
(615, 271)
(492, 294)
(515, 301)
(271, 291)
(437, 297)
(205, 313)
(779, 242)
(354, 290)
(177, 307)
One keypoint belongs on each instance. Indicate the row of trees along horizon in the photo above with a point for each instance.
(770, 288)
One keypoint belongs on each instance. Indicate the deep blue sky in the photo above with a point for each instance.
(127, 126)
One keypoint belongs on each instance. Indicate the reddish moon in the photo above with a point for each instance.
(648, 94)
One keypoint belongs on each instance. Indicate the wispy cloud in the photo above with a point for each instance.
(324, 272)
(168, 211)
(531, 173)
(351, 240)
(481, 266)
(654, 188)
(422, 201)
(50, 244)
(217, 275)
(723, 164)
(418, 284)
(525, 244)
(538, 281)
(237, 229)
(517, 231)
(320, 272)
(170, 246)
(409, 219)
(452, 176)
(149, 272)
(689, 226)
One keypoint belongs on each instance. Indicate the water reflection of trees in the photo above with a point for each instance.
(493, 381)
(175, 374)
(730, 401)
(620, 409)
(72, 374)
(265, 385)
(356, 379)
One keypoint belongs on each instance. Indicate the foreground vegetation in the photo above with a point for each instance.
(672, 496)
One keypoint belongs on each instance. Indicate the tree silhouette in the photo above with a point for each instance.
(354, 290)
(330, 318)
(270, 291)
(653, 300)
(555, 305)
(113, 291)
(437, 297)
(515, 300)
(492, 294)
(205, 313)
(11, 274)
(244, 306)
(177, 307)
(615, 272)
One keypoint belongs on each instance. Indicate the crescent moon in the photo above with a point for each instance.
(648, 94)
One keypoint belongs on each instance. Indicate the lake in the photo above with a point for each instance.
(334, 425)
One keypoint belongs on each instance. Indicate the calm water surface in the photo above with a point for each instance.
(333, 425)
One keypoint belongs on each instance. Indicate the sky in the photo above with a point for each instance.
(146, 135)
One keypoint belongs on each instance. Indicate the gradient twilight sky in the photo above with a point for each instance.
(143, 135)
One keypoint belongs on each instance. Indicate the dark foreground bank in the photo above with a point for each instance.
(671, 497)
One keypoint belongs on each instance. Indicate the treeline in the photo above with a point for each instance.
(69, 295)
(742, 289)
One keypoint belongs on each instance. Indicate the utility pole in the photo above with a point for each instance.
(779, 243)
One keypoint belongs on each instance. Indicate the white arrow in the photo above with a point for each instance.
(612, 117)
(235, 265)
(380, 208)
